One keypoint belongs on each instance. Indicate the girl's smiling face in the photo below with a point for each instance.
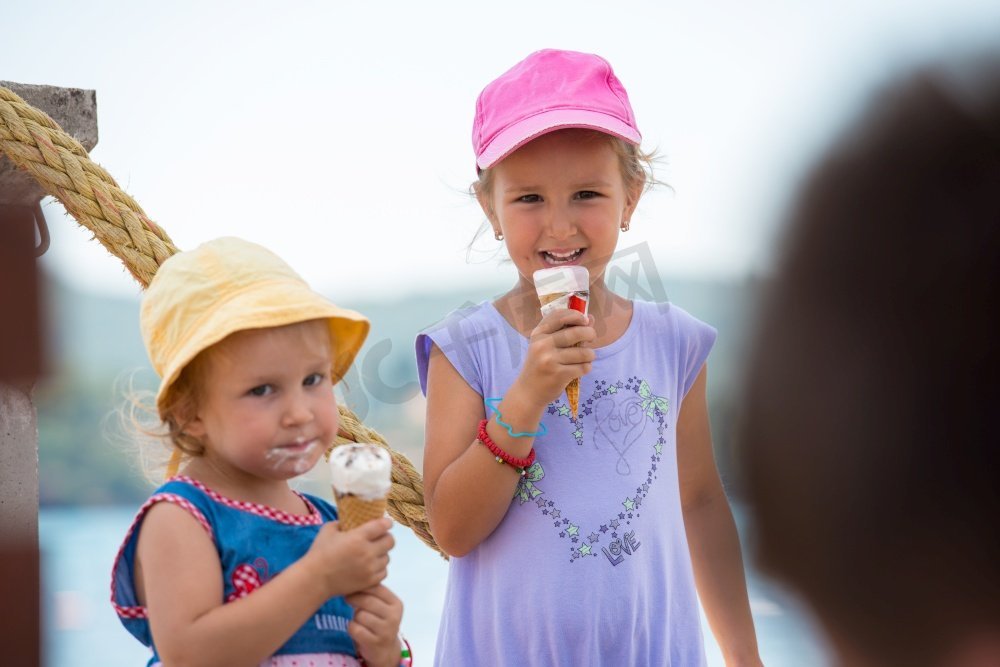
(267, 408)
(560, 199)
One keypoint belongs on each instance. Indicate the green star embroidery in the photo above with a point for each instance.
(612, 389)
(564, 411)
(584, 550)
(658, 447)
(629, 504)
(573, 530)
(577, 434)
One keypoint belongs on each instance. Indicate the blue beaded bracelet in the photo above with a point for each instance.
(542, 430)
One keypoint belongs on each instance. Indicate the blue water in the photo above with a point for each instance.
(79, 545)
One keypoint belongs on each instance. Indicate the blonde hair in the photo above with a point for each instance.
(179, 407)
(160, 433)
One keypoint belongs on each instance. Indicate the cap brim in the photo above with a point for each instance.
(515, 136)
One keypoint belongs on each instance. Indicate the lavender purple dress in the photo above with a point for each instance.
(590, 565)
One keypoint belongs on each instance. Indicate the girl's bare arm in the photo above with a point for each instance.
(466, 491)
(180, 581)
(711, 533)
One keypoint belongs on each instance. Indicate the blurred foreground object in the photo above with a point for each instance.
(869, 438)
(21, 363)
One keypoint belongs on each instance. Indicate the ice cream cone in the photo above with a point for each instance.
(565, 287)
(573, 396)
(361, 476)
(352, 511)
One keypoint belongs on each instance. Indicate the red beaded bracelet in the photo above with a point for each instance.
(502, 456)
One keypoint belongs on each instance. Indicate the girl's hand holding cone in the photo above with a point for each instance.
(556, 355)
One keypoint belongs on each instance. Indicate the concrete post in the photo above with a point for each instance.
(20, 361)
(20, 364)
(76, 112)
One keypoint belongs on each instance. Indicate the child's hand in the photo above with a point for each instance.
(346, 562)
(375, 628)
(557, 353)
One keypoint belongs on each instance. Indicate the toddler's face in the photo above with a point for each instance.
(268, 408)
(560, 199)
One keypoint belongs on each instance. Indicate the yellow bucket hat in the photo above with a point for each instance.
(226, 285)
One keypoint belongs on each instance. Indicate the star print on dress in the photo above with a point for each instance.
(619, 418)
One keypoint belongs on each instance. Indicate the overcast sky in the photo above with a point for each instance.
(337, 134)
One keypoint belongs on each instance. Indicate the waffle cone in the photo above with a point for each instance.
(573, 394)
(354, 510)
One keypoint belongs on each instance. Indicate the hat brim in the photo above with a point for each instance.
(510, 139)
(254, 310)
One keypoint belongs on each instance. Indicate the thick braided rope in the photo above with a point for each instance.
(406, 499)
(34, 142)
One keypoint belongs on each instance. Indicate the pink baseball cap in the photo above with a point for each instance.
(549, 90)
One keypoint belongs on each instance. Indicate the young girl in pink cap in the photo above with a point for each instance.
(582, 539)
(225, 564)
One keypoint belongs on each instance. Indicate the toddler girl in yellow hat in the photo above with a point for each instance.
(225, 564)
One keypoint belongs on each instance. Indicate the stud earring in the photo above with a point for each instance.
(625, 224)
(498, 234)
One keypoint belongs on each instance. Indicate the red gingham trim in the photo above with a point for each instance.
(130, 612)
(312, 519)
(245, 580)
(184, 503)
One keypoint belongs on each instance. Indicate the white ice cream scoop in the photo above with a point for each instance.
(361, 470)
(561, 280)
